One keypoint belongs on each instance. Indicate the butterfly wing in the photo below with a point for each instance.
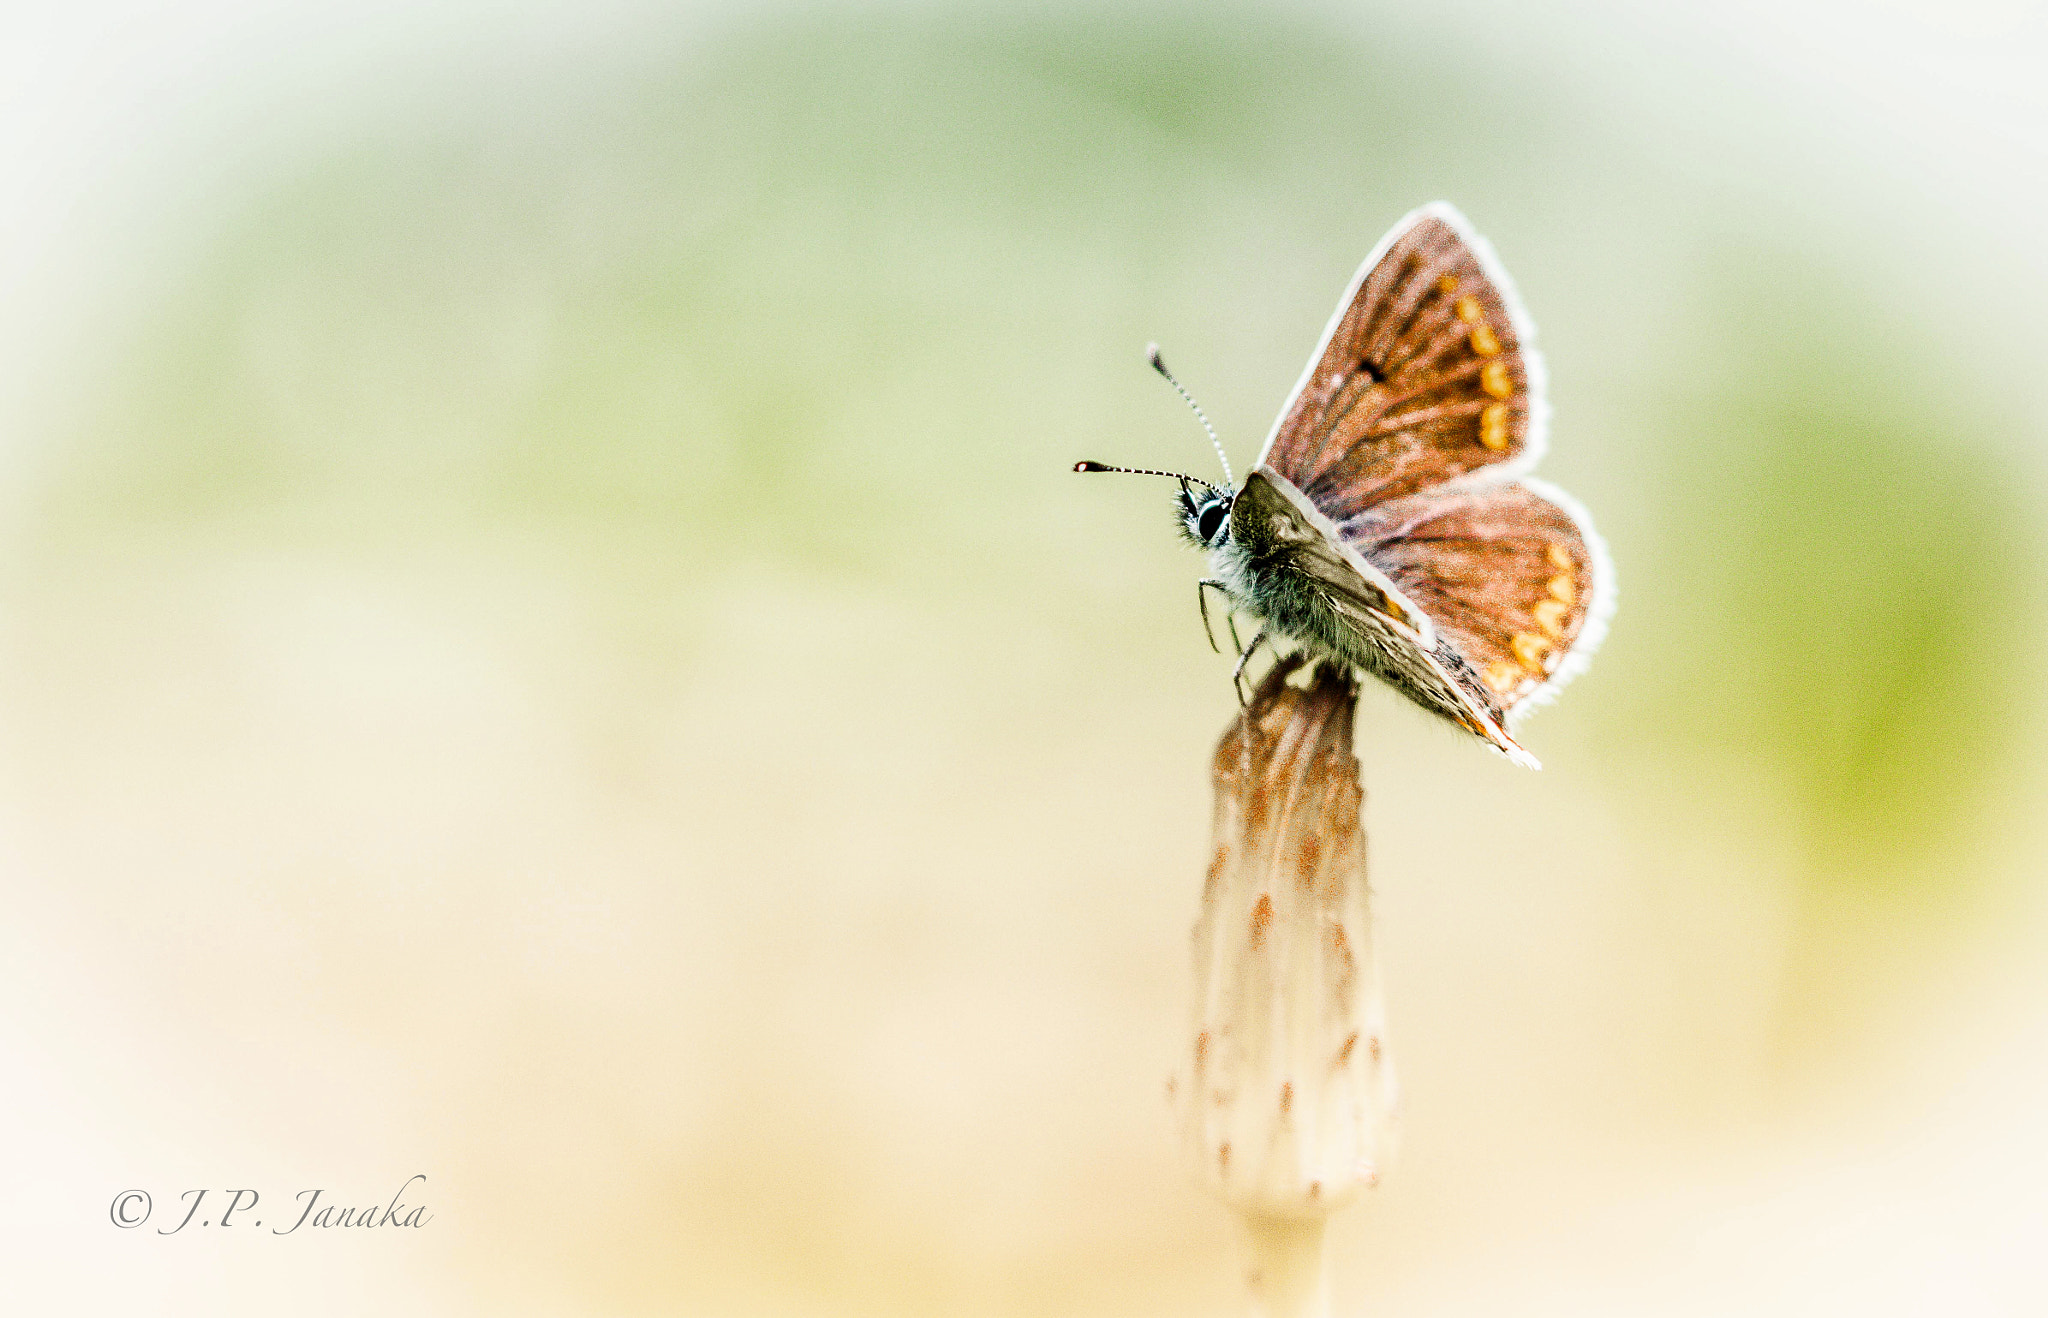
(1277, 528)
(1314, 583)
(1425, 373)
(1511, 573)
(1398, 448)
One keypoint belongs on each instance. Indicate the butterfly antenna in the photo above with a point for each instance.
(1159, 365)
(1147, 471)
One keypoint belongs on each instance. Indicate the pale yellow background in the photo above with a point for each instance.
(547, 639)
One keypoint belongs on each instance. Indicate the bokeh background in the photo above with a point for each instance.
(547, 640)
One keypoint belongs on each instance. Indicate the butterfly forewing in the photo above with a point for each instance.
(1425, 374)
(1510, 573)
(1317, 585)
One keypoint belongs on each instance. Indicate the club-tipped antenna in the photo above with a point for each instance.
(1147, 471)
(1159, 365)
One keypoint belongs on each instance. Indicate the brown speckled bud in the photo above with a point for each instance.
(1287, 1098)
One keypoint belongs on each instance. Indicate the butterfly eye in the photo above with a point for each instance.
(1211, 522)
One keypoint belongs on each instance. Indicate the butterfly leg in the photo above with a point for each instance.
(1237, 673)
(1202, 589)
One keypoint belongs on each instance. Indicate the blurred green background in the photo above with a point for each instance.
(550, 641)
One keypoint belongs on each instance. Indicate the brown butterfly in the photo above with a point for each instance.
(1388, 525)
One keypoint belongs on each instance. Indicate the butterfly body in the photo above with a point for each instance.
(1388, 525)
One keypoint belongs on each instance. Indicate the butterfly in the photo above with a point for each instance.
(1388, 524)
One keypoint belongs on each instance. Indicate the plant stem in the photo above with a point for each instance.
(1284, 1266)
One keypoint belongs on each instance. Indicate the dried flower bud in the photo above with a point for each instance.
(1287, 1103)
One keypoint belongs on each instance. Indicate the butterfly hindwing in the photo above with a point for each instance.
(1426, 373)
(1511, 574)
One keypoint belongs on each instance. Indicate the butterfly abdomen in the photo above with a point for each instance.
(1269, 587)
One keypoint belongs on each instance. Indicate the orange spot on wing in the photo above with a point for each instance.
(1560, 557)
(1502, 676)
(1483, 341)
(1469, 310)
(1550, 616)
(1561, 589)
(1493, 378)
(1529, 648)
(1446, 284)
(1493, 427)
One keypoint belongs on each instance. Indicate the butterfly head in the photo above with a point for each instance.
(1203, 509)
(1204, 515)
